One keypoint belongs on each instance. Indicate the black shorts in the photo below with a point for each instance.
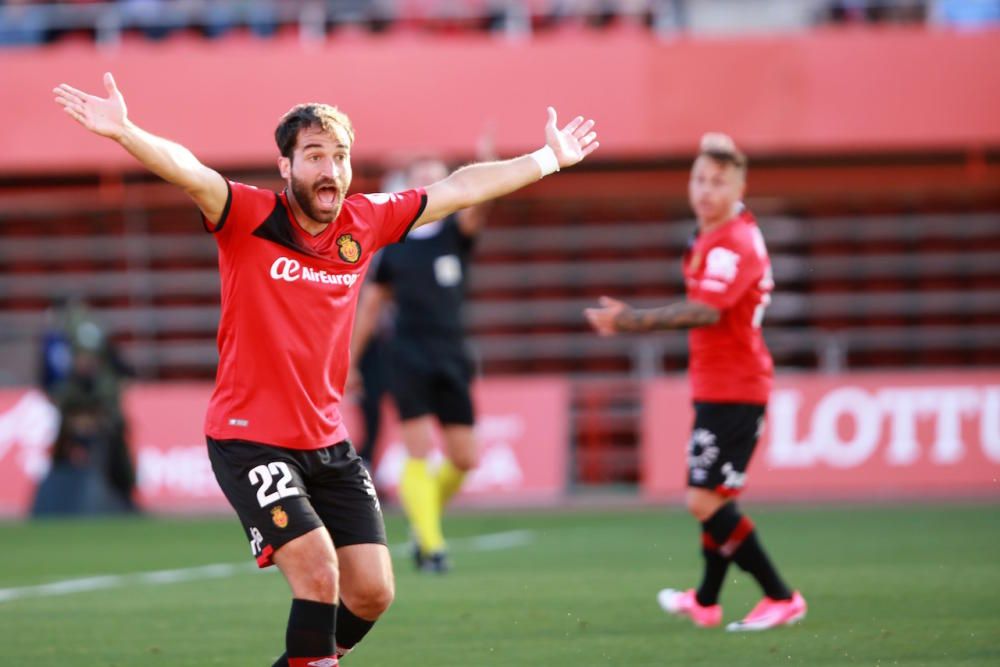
(280, 494)
(723, 439)
(432, 379)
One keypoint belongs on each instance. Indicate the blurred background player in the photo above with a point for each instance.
(368, 378)
(728, 281)
(368, 381)
(430, 370)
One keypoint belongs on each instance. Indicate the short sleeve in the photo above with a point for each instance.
(392, 215)
(729, 272)
(246, 206)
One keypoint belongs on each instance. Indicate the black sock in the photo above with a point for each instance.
(716, 531)
(311, 630)
(751, 557)
(735, 538)
(350, 628)
(716, 566)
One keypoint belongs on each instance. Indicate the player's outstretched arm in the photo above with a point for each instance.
(480, 182)
(108, 117)
(615, 316)
(472, 220)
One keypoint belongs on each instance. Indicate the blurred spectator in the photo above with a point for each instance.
(69, 326)
(56, 349)
(21, 23)
(218, 18)
(966, 13)
(848, 11)
(214, 18)
(262, 18)
(155, 18)
(877, 11)
(92, 470)
(669, 16)
(27, 22)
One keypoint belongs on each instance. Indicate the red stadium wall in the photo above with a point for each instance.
(853, 437)
(523, 452)
(860, 436)
(819, 92)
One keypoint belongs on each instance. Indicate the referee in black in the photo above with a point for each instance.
(430, 370)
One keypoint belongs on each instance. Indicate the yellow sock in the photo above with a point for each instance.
(419, 497)
(449, 480)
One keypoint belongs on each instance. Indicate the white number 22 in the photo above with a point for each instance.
(264, 474)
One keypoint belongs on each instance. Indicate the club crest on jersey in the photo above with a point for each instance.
(279, 517)
(348, 249)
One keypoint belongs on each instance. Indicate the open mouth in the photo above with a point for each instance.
(327, 195)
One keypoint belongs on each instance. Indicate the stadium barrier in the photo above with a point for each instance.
(522, 426)
(847, 437)
(854, 437)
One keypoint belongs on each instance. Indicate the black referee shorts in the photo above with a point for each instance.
(280, 494)
(723, 440)
(432, 379)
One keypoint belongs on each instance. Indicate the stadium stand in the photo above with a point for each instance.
(855, 291)
(27, 22)
(843, 281)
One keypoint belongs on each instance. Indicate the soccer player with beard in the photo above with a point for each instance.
(727, 274)
(291, 265)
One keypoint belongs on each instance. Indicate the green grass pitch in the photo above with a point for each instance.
(915, 585)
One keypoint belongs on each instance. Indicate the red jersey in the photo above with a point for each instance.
(728, 268)
(288, 302)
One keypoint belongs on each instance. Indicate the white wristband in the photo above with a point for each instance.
(546, 160)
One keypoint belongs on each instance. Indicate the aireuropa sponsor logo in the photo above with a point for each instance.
(291, 270)
(849, 426)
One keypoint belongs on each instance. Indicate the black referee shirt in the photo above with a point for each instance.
(427, 276)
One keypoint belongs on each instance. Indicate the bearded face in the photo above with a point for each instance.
(319, 198)
(318, 173)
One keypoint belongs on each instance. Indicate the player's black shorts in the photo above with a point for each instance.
(723, 439)
(280, 494)
(428, 378)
